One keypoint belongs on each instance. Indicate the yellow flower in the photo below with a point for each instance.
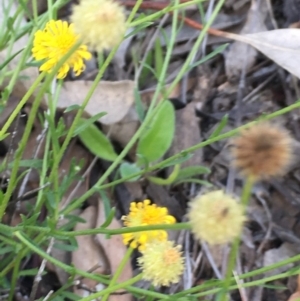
(216, 217)
(100, 23)
(52, 43)
(143, 214)
(162, 263)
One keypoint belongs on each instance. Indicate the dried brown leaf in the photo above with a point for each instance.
(280, 45)
(115, 250)
(240, 56)
(89, 255)
(115, 98)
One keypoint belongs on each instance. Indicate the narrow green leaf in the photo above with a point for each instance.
(10, 59)
(97, 142)
(159, 61)
(209, 56)
(85, 123)
(139, 107)
(220, 127)
(192, 171)
(157, 139)
(127, 169)
(72, 108)
(172, 177)
(196, 181)
(65, 247)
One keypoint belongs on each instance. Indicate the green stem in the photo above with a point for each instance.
(69, 269)
(20, 105)
(243, 276)
(15, 274)
(19, 154)
(196, 46)
(150, 114)
(195, 147)
(118, 271)
(162, 12)
(22, 253)
(178, 226)
(235, 246)
(112, 289)
(250, 284)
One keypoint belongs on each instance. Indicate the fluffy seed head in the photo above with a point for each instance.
(162, 263)
(216, 217)
(143, 214)
(262, 151)
(53, 42)
(100, 23)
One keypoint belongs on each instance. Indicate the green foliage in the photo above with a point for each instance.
(192, 171)
(127, 169)
(97, 142)
(157, 139)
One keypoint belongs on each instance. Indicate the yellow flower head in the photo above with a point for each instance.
(143, 214)
(216, 217)
(52, 43)
(100, 23)
(162, 263)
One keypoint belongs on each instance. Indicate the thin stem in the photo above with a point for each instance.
(150, 114)
(118, 271)
(19, 154)
(20, 105)
(179, 226)
(235, 246)
(112, 289)
(69, 269)
(195, 147)
(15, 273)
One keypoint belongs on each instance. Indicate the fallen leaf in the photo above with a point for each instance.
(187, 133)
(296, 295)
(240, 56)
(280, 45)
(114, 98)
(123, 130)
(89, 254)
(115, 250)
(285, 251)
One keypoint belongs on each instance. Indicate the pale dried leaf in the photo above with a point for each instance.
(187, 133)
(273, 256)
(115, 250)
(115, 98)
(240, 56)
(89, 254)
(123, 130)
(280, 45)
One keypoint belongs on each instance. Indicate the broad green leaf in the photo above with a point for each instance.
(81, 126)
(157, 139)
(97, 142)
(128, 169)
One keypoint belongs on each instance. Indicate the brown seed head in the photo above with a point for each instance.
(262, 151)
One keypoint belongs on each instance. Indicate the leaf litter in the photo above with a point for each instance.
(273, 227)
